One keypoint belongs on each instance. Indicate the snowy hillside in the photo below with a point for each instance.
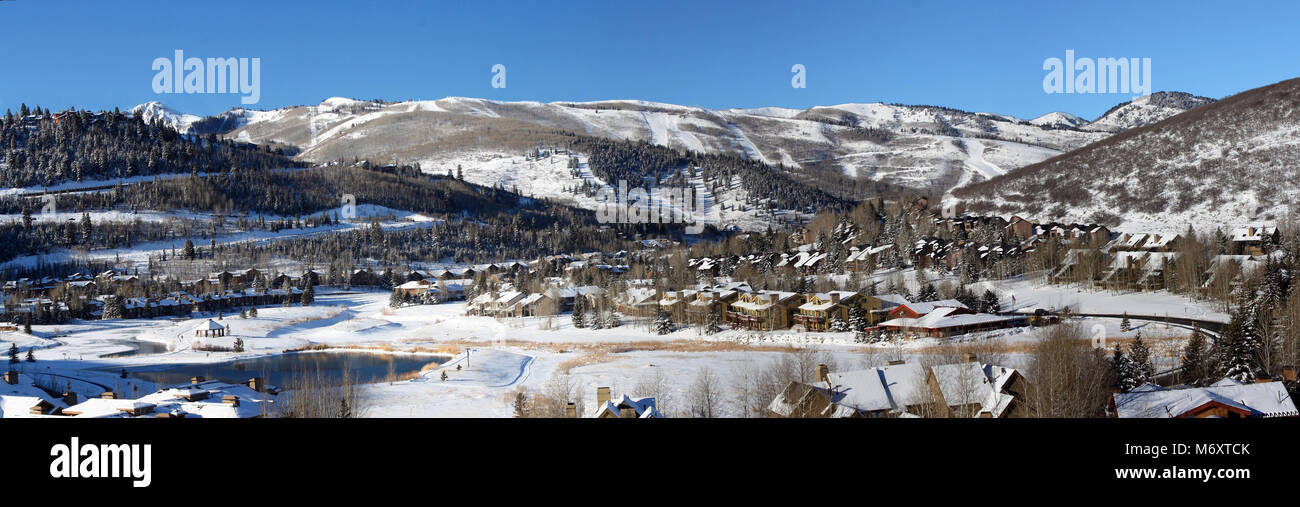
(1218, 165)
(1146, 110)
(157, 111)
(916, 146)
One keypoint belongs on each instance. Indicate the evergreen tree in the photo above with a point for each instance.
(1124, 324)
(927, 293)
(663, 323)
(1123, 368)
(308, 294)
(13, 353)
(252, 312)
(837, 324)
(239, 344)
(1194, 360)
(711, 324)
(187, 251)
(1140, 357)
(579, 311)
(990, 302)
(31, 358)
(395, 299)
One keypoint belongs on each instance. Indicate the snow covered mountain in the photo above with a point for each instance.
(157, 111)
(842, 149)
(1146, 110)
(1059, 120)
(1228, 163)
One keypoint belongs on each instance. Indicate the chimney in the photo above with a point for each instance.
(602, 395)
(109, 395)
(968, 357)
(11, 377)
(256, 384)
(835, 298)
(197, 380)
(1288, 373)
(1263, 380)
(230, 399)
(70, 398)
(571, 411)
(823, 373)
(626, 413)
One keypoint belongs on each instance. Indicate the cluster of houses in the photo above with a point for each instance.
(901, 389)
(1142, 261)
(20, 396)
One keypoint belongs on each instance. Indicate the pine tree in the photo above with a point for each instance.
(579, 312)
(837, 324)
(187, 251)
(990, 302)
(252, 312)
(927, 293)
(1124, 324)
(711, 324)
(1194, 358)
(13, 353)
(1140, 356)
(444, 376)
(663, 323)
(395, 299)
(239, 344)
(1122, 366)
(31, 358)
(308, 294)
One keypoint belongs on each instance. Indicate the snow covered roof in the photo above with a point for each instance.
(644, 408)
(209, 325)
(1252, 233)
(942, 318)
(1268, 399)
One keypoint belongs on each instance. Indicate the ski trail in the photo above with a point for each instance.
(976, 160)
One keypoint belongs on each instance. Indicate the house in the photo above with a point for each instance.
(819, 310)
(907, 309)
(1019, 227)
(624, 407)
(638, 301)
(1254, 240)
(415, 288)
(711, 303)
(900, 389)
(766, 310)
(1226, 398)
(947, 321)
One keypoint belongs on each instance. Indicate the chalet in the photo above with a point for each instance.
(1229, 270)
(1019, 227)
(365, 278)
(1226, 398)
(1255, 240)
(711, 303)
(766, 310)
(624, 407)
(415, 288)
(969, 389)
(638, 302)
(1125, 268)
(819, 310)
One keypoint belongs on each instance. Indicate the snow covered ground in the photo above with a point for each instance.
(506, 356)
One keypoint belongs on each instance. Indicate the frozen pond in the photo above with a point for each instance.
(279, 369)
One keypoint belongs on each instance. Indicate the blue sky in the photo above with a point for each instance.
(979, 56)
